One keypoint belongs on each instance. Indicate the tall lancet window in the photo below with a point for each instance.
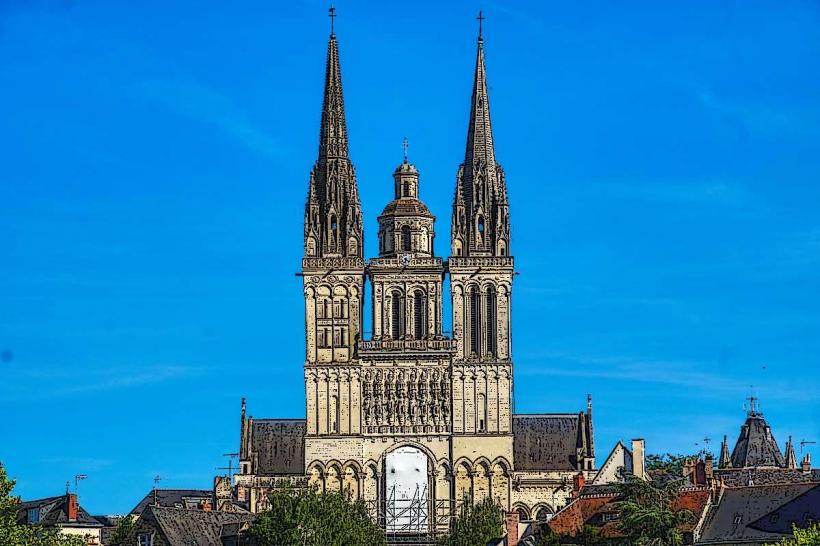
(475, 306)
(418, 315)
(491, 320)
(396, 315)
(405, 238)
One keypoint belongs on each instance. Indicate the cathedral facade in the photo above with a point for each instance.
(410, 420)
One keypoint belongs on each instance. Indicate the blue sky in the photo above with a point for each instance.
(662, 161)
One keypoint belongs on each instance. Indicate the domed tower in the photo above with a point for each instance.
(406, 277)
(406, 225)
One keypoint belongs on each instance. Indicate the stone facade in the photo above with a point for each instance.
(410, 393)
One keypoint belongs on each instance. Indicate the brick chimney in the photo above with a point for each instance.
(578, 482)
(512, 528)
(71, 506)
(639, 458)
(205, 505)
(805, 465)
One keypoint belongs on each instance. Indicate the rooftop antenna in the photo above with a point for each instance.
(77, 479)
(229, 468)
(804, 443)
(157, 479)
(480, 20)
(68, 485)
(332, 14)
(404, 146)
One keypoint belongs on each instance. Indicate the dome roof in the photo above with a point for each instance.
(406, 206)
(407, 168)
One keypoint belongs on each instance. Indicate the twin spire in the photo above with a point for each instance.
(480, 221)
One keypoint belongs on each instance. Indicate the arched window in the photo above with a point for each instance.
(418, 315)
(491, 319)
(405, 238)
(334, 241)
(481, 230)
(475, 340)
(396, 315)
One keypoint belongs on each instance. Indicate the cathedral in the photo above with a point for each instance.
(409, 420)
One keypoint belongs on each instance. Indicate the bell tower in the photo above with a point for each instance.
(332, 267)
(481, 274)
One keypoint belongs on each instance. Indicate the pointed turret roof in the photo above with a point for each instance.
(725, 460)
(756, 446)
(480, 131)
(333, 131)
(791, 459)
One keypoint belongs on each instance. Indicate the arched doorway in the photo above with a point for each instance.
(407, 496)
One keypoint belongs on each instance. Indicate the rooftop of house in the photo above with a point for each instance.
(172, 498)
(187, 527)
(56, 511)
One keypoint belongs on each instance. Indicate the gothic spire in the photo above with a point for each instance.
(333, 132)
(480, 225)
(791, 460)
(480, 132)
(725, 460)
(333, 214)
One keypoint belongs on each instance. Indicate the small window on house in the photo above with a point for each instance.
(738, 519)
(145, 539)
(34, 515)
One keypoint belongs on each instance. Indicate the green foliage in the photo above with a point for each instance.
(308, 518)
(670, 463)
(589, 535)
(121, 532)
(14, 534)
(809, 536)
(646, 513)
(476, 524)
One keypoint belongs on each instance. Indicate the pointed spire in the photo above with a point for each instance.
(725, 460)
(791, 459)
(333, 132)
(480, 133)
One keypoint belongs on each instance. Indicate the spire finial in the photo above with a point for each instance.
(332, 14)
(404, 146)
(480, 20)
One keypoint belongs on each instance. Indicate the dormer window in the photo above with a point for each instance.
(34, 515)
(145, 539)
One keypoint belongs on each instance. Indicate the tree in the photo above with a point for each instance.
(810, 536)
(589, 535)
(14, 534)
(670, 464)
(647, 516)
(475, 524)
(308, 518)
(121, 532)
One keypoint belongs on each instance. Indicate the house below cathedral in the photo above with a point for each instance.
(411, 420)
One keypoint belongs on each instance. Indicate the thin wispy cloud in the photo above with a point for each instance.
(692, 375)
(65, 382)
(205, 105)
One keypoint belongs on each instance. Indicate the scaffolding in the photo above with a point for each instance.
(415, 521)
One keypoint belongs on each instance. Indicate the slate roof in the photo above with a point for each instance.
(406, 206)
(547, 442)
(744, 514)
(279, 446)
(185, 527)
(756, 445)
(739, 477)
(54, 511)
(173, 498)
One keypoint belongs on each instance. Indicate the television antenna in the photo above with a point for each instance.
(229, 468)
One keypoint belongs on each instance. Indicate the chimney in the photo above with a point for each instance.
(639, 458)
(71, 506)
(512, 528)
(710, 467)
(205, 505)
(806, 464)
(578, 482)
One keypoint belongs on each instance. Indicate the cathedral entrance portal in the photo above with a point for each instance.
(407, 496)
